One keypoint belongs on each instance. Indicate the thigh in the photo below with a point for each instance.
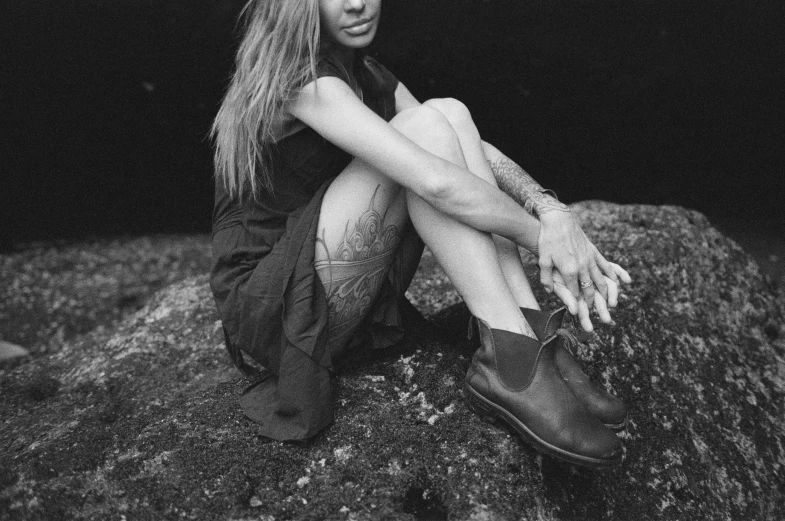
(362, 215)
(461, 121)
(361, 225)
(363, 210)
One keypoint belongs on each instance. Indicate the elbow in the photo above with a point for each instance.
(437, 189)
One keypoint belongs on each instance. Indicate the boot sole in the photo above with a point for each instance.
(617, 427)
(492, 412)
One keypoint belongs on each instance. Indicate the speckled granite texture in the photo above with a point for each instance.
(140, 420)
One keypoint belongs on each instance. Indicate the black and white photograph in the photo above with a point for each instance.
(392, 260)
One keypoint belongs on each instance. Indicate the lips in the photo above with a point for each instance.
(361, 21)
(361, 26)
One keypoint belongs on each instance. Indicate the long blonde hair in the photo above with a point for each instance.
(277, 56)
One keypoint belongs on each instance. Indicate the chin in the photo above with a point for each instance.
(360, 42)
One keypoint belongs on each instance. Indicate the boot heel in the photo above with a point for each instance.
(480, 408)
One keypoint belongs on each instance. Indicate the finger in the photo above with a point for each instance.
(587, 286)
(602, 308)
(565, 295)
(570, 278)
(583, 316)
(605, 266)
(613, 293)
(599, 280)
(546, 274)
(622, 273)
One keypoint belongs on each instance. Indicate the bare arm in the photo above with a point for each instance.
(563, 246)
(511, 178)
(335, 112)
(566, 256)
(519, 185)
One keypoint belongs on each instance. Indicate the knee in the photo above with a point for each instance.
(455, 111)
(425, 123)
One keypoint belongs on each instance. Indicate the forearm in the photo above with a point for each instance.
(481, 205)
(518, 184)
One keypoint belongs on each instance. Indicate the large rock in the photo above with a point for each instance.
(11, 353)
(141, 421)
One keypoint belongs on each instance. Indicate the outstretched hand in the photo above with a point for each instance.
(564, 249)
(581, 308)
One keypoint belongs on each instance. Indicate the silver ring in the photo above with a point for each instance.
(586, 284)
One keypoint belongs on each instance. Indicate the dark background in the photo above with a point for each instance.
(105, 105)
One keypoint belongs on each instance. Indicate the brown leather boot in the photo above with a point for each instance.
(608, 408)
(514, 378)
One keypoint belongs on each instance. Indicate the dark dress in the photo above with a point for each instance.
(269, 297)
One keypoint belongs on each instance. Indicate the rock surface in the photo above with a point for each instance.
(11, 353)
(54, 292)
(140, 421)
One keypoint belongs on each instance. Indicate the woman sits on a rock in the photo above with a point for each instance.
(330, 176)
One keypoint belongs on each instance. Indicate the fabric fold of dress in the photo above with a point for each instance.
(269, 296)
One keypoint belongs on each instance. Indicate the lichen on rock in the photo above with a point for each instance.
(141, 419)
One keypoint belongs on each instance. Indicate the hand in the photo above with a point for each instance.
(563, 246)
(580, 306)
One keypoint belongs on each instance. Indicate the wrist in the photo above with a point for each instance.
(554, 215)
(527, 231)
(549, 205)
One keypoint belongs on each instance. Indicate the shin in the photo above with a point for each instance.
(460, 120)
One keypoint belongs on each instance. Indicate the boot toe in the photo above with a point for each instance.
(607, 447)
(599, 447)
(611, 411)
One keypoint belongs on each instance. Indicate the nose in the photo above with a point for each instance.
(355, 5)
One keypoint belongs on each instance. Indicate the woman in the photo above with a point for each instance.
(330, 175)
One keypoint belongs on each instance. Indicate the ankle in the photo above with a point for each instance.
(512, 324)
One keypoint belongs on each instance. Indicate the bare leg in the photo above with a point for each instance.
(471, 144)
(543, 407)
(360, 225)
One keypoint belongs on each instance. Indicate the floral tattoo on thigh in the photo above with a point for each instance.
(354, 272)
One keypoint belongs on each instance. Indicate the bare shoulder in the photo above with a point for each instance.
(322, 93)
(331, 108)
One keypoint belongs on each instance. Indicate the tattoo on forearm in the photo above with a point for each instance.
(353, 273)
(515, 182)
